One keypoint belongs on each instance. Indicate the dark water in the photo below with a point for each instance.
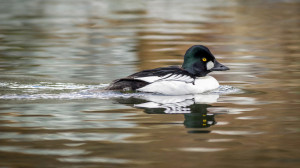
(56, 56)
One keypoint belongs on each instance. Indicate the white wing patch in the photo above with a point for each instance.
(149, 79)
(179, 77)
(168, 77)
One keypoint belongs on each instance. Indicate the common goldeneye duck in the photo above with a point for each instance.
(190, 78)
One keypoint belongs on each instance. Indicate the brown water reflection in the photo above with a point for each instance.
(54, 54)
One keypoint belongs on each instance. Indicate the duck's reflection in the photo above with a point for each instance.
(199, 117)
(193, 107)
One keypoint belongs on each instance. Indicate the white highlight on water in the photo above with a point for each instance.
(48, 90)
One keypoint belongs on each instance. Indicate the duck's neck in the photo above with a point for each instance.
(195, 70)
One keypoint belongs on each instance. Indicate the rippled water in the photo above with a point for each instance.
(56, 56)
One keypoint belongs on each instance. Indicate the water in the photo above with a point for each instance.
(56, 57)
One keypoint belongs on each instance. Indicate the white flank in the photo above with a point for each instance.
(209, 65)
(187, 79)
(175, 87)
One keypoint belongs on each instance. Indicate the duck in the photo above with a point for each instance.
(189, 78)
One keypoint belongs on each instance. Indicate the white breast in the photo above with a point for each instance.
(169, 87)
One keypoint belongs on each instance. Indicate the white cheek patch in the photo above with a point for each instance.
(209, 65)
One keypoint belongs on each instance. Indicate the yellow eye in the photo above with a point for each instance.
(204, 59)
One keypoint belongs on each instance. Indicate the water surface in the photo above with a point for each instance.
(56, 57)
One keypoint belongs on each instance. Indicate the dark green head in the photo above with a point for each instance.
(199, 61)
